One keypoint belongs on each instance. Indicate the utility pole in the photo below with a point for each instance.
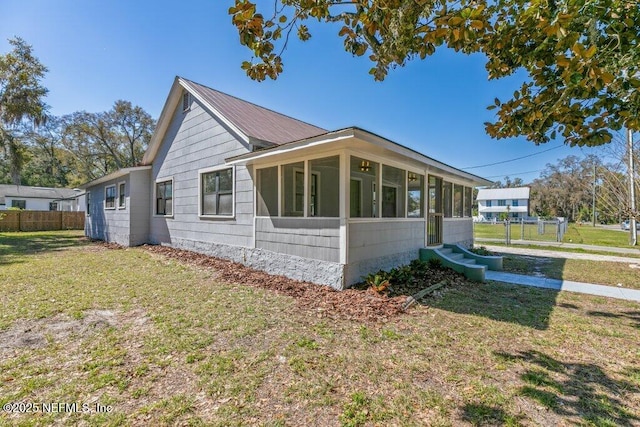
(633, 232)
(593, 202)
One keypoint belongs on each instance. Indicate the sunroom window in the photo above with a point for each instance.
(268, 191)
(393, 192)
(293, 189)
(447, 199)
(468, 201)
(324, 185)
(415, 195)
(457, 201)
(363, 188)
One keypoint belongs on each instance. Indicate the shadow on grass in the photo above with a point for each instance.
(534, 265)
(523, 305)
(581, 390)
(517, 304)
(15, 246)
(486, 415)
(632, 316)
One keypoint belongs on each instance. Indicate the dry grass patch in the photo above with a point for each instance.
(183, 347)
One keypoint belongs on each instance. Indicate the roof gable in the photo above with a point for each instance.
(250, 122)
(253, 120)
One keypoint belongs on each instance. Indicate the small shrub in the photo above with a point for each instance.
(435, 263)
(378, 282)
(481, 251)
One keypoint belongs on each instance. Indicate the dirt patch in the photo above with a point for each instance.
(537, 265)
(38, 333)
(352, 304)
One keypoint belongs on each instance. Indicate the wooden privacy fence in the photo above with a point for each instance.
(41, 220)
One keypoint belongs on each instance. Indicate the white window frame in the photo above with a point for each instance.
(115, 197)
(318, 186)
(124, 198)
(233, 192)
(155, 200)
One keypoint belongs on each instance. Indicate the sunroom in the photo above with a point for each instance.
(353, 198)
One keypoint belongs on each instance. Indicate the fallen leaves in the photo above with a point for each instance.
(352, 304)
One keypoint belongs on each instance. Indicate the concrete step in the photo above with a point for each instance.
(468, 261)
(455, 257)
(445, 251)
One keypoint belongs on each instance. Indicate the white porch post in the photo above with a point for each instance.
(344, 207)
(306, 194)
(280, 200)
(425, 207)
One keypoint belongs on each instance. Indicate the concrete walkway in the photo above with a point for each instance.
(564, 285)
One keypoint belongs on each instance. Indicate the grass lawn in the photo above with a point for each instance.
(585, 234)
(589, 235)
(578, 270)
(161, 342)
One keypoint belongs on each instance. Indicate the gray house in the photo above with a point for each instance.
(226, 177)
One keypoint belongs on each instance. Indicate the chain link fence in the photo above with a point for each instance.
(533, 230)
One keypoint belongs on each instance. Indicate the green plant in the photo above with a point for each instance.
(403, 274)
(378, 282)
(481, 251)
(435, 263)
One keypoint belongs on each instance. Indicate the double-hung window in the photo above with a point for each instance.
(121, 195)
(216, 192)
(164, 198)
(110, 197)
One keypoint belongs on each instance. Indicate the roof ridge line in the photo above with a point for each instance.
(252, 103)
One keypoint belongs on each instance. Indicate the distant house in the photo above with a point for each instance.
(229, 178)
(41, 198)
(494, 202)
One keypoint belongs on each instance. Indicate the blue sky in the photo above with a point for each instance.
(100, 51)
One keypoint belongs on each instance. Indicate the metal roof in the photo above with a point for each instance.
(253, 120)
(516, 193)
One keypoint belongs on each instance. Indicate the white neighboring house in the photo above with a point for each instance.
(41, 198)
(493, 202)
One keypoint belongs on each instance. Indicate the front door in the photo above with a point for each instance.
(434, 217)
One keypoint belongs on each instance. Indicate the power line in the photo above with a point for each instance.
(502, 175)
(513, 160)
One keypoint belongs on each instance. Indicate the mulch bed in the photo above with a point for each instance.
(353, 304)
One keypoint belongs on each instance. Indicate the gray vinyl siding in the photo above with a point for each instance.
(371, 240)
(315, 238)
(193, 141)
(458, 230)
(111, 225)
(139, 205)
